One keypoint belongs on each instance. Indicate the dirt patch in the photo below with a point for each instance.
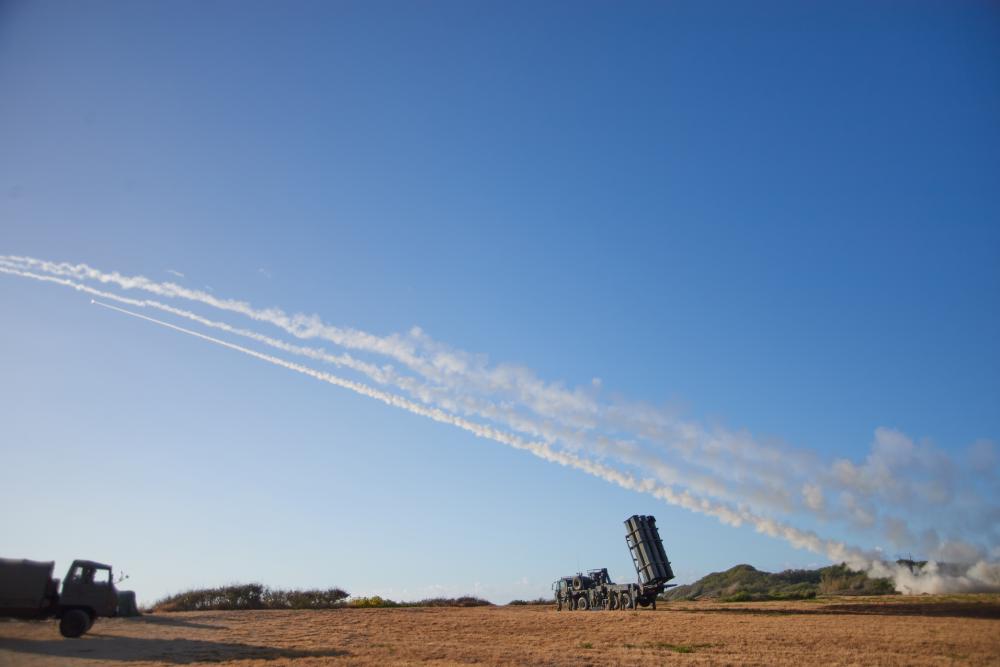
(903, 631)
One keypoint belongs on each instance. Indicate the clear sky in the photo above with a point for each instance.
(775, 219)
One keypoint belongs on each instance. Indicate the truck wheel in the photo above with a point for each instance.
(74, 623)
(582, 603)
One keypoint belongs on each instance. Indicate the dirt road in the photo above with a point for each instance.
(896, 631)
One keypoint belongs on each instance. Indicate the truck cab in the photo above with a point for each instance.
(562, 589)
(90, 586)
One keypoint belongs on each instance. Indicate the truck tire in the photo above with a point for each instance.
(577, 583)
(74, 623)
(582, 603)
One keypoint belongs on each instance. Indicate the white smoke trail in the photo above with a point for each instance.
(731, 516)
(752, 472)
(739, 466)
(650, 424)
(460, 372)
(429, 394)
(373, 371)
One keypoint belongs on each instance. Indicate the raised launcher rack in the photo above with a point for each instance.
(646, 547)
(595, 590)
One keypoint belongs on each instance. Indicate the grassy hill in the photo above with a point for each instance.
(744, 583)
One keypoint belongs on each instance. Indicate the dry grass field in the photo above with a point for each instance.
(837, 631)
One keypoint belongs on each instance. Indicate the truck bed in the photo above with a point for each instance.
(26, 587)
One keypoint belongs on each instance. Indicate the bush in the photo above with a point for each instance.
(464, 601)
(841, 580)
(538, 601)
(258, 596)
(373, 601)
(250, 596)
(742, 596)
(376, 601)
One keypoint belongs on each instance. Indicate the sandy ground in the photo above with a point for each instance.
(864, 631)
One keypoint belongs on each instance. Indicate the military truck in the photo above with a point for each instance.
(27, 590)
(595, 590)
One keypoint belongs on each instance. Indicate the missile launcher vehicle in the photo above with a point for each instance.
(595, 590)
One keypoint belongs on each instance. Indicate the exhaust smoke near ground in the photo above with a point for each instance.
(906, 492)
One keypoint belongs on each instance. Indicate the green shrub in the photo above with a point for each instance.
(841, 580)
(373, 601)
(250, 596)
(741, 596)
(258, 596)
(376, 601)
(463, 601)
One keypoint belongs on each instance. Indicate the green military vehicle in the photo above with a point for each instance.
(595, 590)
(27, 590)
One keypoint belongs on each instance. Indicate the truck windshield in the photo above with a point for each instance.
(83, 574)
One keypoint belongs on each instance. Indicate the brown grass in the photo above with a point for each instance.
(829, 631)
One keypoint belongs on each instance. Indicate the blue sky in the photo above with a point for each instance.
(775, 218)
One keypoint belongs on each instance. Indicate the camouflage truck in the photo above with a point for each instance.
(595, 590)
(28, 591)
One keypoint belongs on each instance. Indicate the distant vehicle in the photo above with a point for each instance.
(27, 590)
(595, 590)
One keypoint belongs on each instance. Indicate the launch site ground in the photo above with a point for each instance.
(926, 630)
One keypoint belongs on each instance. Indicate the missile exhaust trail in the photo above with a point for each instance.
(982, 575)
(625, 480)
(540, 450)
